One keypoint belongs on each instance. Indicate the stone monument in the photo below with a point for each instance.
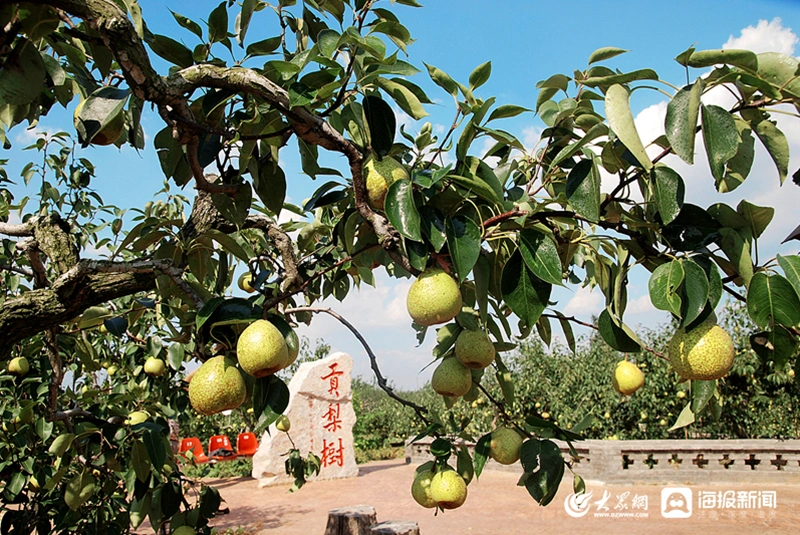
(322, 417)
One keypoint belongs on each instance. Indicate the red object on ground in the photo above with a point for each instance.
(246, 444)
(220, 448)
(193, 444)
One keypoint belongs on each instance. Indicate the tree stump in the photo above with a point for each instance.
(395, 528)
(355, 520)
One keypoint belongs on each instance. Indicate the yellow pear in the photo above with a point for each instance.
(19, 366)
(421, 489)
(451, 378)
(627, 378)
(448, 489)
(245, 282)
(433, 298)
(283, 423)
(261, 349)
(474, 349)
(704, 353)
(505, 445)
(154, 367)
(217, 386)
(378, 176)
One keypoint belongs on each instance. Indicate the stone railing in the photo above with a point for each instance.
(668, 461)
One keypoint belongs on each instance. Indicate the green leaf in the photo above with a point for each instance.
(771, 300)
(583, 190)
(175, 356)
(218, 23)
(702, 392)
(61, 444)
(791, 269)
(664, 287)
(714, 279)
(482, 448)
(477, 186)
(156, 448)
(525, 293)
(607, 52)
(270, 186)
(141, 463)
(99, 110)
(116, 326)
(594, 132)
(780, 70)
(22, 75)
(505, 111)
(465, 467)
(624, 78)
(540, 253)
(739, 58)
(777, 146)
(403, 96)
(694, 292)
(264, 47)
(777, 345)
(620, 119)
(464, 243)
(235, 209)
(79, 489)
(93, 316)
(738, 167)
(738, 252)
(476, 168)
(188, 23)
(432, 225)
(480, 75)
(382, 124)
(721, 138)
(543, 484)
(248, 7)
(692, 229)
(270, 399)
(757, 217)
(441, 79)
(171, 50)
(681, 121)
(566, 326)
(669, 193)
(686, 417)
(402, 210)
(208, 309)
(615, 335)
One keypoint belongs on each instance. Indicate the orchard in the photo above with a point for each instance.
(95, 349)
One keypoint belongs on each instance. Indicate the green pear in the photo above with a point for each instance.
(474, 349)
(704, 353)
(154, 367)
(246, 281)
(112, 370)
(421, 489)
(217, 386)
(448, 489)
(505, 445)
(19, 366)
(378, 176)
(109, 133)
(137, 417)
(283, 423)
(261, 349)
(627, 378)
(433, 298)
(451, 378)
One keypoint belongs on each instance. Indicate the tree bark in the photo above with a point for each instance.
(395, 528)
(355, 520)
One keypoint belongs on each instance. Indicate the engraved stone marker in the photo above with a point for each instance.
(322, 417)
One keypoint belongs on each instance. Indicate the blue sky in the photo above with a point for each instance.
(526, 41)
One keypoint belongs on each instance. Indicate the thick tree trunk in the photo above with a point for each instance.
(355, 520)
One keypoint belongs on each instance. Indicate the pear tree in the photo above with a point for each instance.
(85, 442)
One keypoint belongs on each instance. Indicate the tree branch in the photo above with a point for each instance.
(17, 230)
(373, 360)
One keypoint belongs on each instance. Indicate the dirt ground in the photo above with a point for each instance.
(496, 505)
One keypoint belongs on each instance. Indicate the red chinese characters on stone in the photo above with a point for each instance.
(333, 420)
(333, 379)
(332, 453)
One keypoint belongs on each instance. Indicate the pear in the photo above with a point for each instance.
(154, 367)
(704, 353)
(283, 423)
(378, 176)
(448, 489)
(421, 489)
(245, 282)
(451, 378)
(112, 370)
(505, 445)
(261, 349)
(474, 349)
(433, 298)
(627, 378)
(109, 133)
(19, 366)
(217, 386)
(137, 417)
(184, 530)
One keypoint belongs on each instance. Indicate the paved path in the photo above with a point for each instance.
(494, 505)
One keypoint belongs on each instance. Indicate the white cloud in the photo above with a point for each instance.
(640, 305)
(765, 37)
(530, 136)
(584, 303)
(439, 129)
